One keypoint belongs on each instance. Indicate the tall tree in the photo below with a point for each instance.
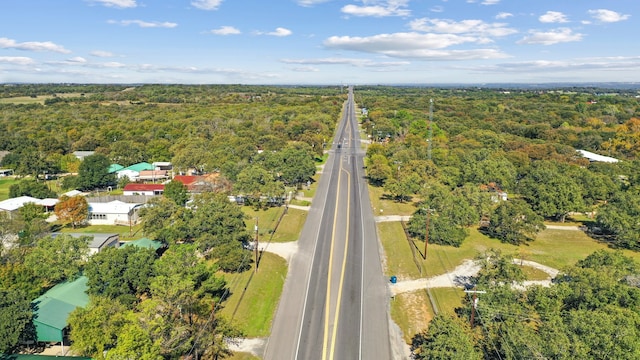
(94, 173)
(447, 338)
(58, 258)
(31, 188)
(72, 210)
(176, 191)
(514, 222)
(15, 316)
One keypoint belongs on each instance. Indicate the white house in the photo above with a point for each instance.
(113, 213)
(13, 204)
(131, 174)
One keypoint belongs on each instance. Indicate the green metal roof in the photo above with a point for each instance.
(54, 306)
(139, 167)
(115, 167)
(144, 243)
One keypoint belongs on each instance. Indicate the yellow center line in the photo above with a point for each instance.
(344, 266)
(327, 306)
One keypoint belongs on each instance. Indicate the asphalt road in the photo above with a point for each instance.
(335, 299)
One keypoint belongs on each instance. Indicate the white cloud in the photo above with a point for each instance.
(308, 3)
(503, 15)
(607, 16)
(206, 4)
(551, 37)
(490, 2)
(77, 60)
(117, 3)
(542, 66)
(475, 27)
(414, 45)
(100, 53)
(144, 24)
(280, 32)
(16, 60)
(374, 9)
(225, 30)
(553, 17)
(32, 46)
(344, 61)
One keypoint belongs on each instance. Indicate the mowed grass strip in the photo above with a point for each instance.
(289, 228)
(254, 296)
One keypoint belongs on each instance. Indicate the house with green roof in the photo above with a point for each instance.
(133, 171)
(52, 309)
(114, 168)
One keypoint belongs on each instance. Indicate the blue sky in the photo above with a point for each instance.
(319, 41)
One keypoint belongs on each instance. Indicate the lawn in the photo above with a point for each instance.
(383, 206)
(5, 184)
(125, 233)
(255, 295)
(288, 230)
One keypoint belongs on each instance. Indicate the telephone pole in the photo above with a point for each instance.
(426, 236)
(474, 306)
(256, 245)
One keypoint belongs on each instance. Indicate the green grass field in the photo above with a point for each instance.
(288, 230)
(255, 295)
(125, 233)
(5, 183)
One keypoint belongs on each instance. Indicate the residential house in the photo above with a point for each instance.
(133, 171)
(113, 213)
(153, 175)
(143, 189)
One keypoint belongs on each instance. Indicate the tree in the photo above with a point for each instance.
(15, 317)
(72, 210)
(514, 222)
(58, 258)
(94, 173)
(176, 191)
(295, 165)
(378, 169)
(618, 218)
(31, 188)
(163, 219)
(96, 328)
(121, 274)
(551, 190)
(447, 338)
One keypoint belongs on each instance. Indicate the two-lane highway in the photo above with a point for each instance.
(335, 302)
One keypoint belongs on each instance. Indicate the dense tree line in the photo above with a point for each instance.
(590, 311)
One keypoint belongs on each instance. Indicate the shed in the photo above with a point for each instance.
(52, 309)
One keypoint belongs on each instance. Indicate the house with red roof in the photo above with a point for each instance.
(143, 189)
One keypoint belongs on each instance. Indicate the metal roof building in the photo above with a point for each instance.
(52, 309)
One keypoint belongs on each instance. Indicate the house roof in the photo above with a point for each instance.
(595, 157)
(115, 167)
(143, 187)
(74, 193)
(52, 309)
(97, 239)
(144, 243)
(139, 167)
(82, 154)
(186, 179)
(18, 202)
(113, 207)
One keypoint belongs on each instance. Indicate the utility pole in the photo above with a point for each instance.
(474, 306)
(256, 245)
(426, 236)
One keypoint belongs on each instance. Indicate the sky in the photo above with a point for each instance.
(319, 42)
